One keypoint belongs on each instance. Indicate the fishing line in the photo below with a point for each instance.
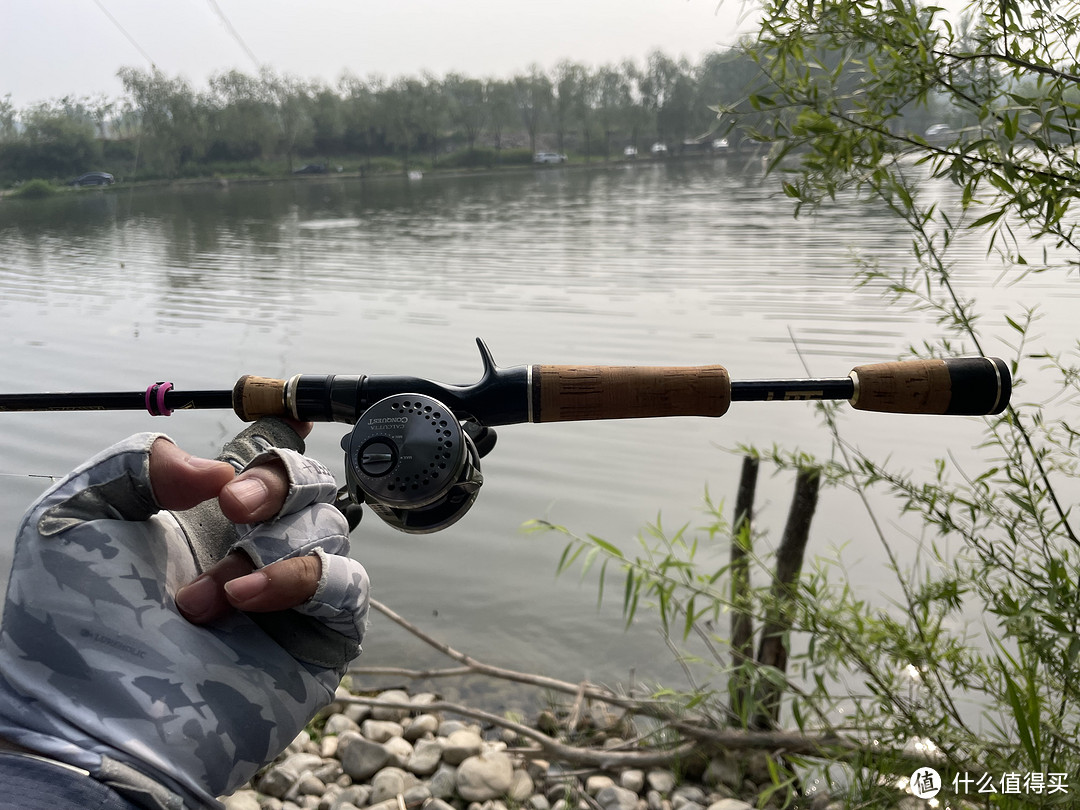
(123, 31)
(234, 33)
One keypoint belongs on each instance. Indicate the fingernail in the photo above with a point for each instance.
(198, 463)
(247, 587)
(198, 598)
(251, 492)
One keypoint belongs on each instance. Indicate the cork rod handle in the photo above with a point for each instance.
(966, 386)
(254, 397)
(572, 393)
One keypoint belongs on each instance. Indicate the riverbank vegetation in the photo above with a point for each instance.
(968, 660)
(269, 124)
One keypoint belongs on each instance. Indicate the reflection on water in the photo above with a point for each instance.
(566, 241)
(666, 264)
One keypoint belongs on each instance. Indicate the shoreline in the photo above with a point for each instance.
(211, 181)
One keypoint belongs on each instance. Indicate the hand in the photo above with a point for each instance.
(115, 648)
(181, 482)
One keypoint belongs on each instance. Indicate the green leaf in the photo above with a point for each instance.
(606, 546)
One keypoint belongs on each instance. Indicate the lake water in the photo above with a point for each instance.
(653, 264)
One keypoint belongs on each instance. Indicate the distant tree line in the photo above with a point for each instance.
(165, 127)
(268, 123)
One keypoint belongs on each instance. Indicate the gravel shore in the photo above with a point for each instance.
(404, 754)
(407, 758)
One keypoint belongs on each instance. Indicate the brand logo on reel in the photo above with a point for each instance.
(387, 420)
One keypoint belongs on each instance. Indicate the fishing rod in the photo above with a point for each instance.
(414, 452)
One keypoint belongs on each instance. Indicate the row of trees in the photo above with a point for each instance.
(164, 126)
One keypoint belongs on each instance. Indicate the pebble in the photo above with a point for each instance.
(425, 757)
(614, 797)
(360, 758)
(395, 714)
(423, 725)
(242, 800)
(461, 745)
(662, 782)
(632, 779)
(381, 730)
(485, 777)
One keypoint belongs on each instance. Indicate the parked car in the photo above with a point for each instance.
(549, 157)
(312, 168)
(630, 152)
(939, 132)
(720, 144)
(658, 150)
(93, 179)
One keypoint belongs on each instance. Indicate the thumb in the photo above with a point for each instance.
(181, 480)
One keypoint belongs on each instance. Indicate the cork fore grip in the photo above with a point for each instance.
(254, 397)
(964, 386)
(572, 393)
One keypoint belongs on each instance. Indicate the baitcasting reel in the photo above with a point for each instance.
(411, 460)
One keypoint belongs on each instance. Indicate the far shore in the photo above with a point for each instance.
(417, 172)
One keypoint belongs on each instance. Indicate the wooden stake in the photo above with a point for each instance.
(742, 623)
(773, 650)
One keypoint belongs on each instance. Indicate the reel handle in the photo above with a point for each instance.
(574, 393)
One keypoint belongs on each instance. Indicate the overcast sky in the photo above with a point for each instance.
(53, 48)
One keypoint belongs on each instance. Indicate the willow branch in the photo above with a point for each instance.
(653, 709)
(700, 741)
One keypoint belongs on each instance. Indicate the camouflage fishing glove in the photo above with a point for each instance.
(99, 669)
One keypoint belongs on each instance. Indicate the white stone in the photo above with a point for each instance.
(597, 782)
(328, 747)
(311, 785)
(381, 730)
(633, 779)
(353, 796)
(661, 781)
(337, 723)
(423, 725)
(242, 800)
(521, 787)
(730, 804)
(388, 713)
(484, 777)
(461, 745)
(302, 762)
(357, 712)
(400, 750)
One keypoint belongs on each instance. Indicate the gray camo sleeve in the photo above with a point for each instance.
(96, 662)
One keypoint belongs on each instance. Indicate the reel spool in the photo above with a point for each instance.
(412, 462)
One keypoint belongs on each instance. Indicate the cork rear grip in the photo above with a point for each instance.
(254, 397)
(963, 386)
(573, 393)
